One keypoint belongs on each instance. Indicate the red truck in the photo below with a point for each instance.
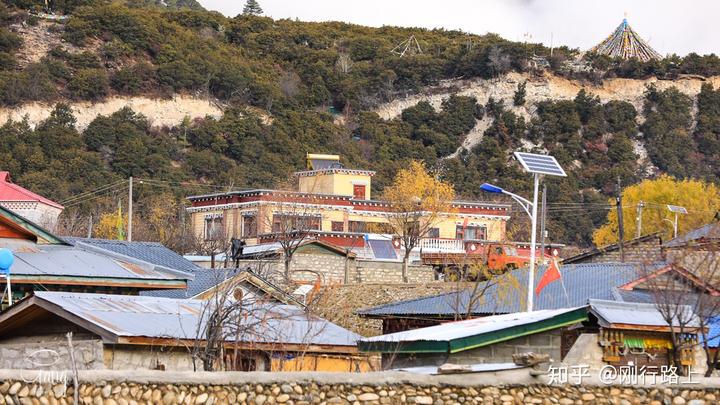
(480, 260)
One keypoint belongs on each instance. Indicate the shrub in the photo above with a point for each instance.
(9, 41)
(133, 79)
(89, 84)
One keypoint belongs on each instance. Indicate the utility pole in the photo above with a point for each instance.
(89, 234)
(543, 213)
(621, 228)
(130, 210)
(638, 228)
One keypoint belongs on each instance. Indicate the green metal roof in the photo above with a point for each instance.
(458, 336)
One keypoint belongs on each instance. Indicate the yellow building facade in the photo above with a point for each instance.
(332, 201)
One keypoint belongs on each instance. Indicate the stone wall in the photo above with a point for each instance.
(305, 268)
(512, 387)
(696, 260)
(122, 357)
(379, 272)
(645, 250)
(544, 343)
(50, 353)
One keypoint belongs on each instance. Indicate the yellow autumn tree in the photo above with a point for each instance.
(111, 225)
(701, 199)
(416, 201)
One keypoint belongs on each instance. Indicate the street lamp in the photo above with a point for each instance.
(537, 165)
(677, 210)
(524, 203)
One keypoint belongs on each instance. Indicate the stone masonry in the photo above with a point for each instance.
(513, 387)
(331, 268)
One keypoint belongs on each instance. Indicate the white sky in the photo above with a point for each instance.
(671, 26)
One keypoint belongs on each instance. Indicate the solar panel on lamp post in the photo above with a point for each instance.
(537, 165)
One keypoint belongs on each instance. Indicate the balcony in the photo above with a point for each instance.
(438, 245)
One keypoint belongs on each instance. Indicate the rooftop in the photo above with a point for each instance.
(624, 315)
(151, 252)
(48, 264)
(120, 318)
(506, 293)
(10, 191)
(457, 336)
(708, 232)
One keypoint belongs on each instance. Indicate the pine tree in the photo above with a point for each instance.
(252, 7)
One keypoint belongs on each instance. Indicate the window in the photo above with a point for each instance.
(433, 233)
(472, 232)
(511, 251)
(249, 224)
(292, 222)
(337, 226)
(357, 226)
(213, 227)
(359, 191)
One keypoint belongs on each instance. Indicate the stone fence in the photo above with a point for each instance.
(307, 267)
(157, 387)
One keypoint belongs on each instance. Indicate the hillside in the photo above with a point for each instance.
(185, 95)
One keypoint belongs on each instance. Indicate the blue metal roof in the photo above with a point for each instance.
(713, 333)
(33, 260)
(204, 280)
(508, 293)
(151, 252)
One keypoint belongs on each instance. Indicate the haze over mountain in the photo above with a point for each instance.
(164, 92)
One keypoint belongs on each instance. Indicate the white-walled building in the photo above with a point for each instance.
(24, 202)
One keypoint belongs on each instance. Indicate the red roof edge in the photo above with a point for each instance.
(10, 191)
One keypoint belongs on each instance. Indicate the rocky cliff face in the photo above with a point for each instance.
(540, 88)
(160, 112)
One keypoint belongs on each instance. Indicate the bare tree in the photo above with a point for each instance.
(344, 63)
(690, 305)
(291, 223)
(236, 325)
(211, 246)
(702, 266)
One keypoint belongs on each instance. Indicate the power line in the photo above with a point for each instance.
(179, 183)
(102, 193)
(91, 192)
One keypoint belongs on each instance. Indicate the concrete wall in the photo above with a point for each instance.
(545, 342)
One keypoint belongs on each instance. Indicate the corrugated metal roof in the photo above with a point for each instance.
(204, 280)
(709, 231)
(54, 260)
(150, 252)
(471, 327)
(507, 295)
(153, 317)
(612, 312)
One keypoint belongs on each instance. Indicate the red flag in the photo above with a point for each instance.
(552, 273)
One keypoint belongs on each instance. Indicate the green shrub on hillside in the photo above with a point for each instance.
(89, 84)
